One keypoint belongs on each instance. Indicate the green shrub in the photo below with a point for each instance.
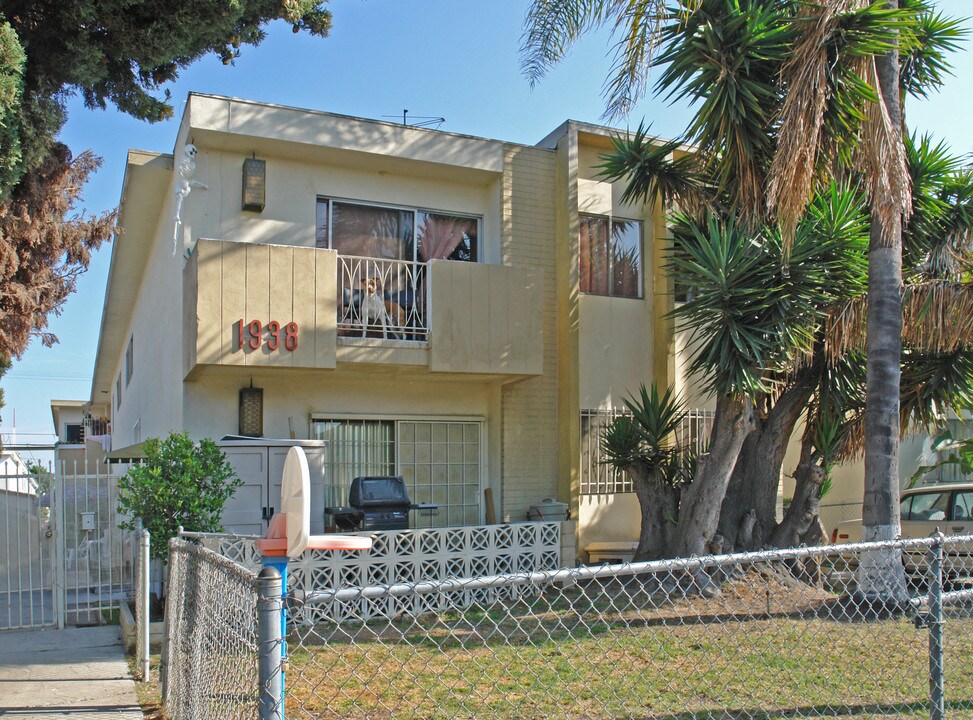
(180, 483)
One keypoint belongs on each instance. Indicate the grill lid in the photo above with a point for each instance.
(374, 492)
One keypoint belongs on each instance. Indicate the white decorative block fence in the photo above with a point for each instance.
(410, 556)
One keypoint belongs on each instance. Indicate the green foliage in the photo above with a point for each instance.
(726, 57)
(923, 58)
(652, 171)
(647, 437)
(42, 476)
(755, 311)
(180, 483)
(936, 239)
(12, 60)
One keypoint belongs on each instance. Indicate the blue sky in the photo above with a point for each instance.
(452, 58)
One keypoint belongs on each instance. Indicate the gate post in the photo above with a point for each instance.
(937, 709)
(58, 590)
(270, 645)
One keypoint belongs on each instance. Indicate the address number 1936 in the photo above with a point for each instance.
(254, 333)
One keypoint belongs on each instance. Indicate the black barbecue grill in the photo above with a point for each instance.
(376, 503)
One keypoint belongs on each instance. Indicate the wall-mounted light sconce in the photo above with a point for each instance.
(252, 411)
(254, 184)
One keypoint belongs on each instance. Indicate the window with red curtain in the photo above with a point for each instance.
(446, 237)
(610, 257)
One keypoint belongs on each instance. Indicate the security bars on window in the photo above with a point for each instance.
(600, 478)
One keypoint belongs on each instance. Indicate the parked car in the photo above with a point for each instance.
(948, 507)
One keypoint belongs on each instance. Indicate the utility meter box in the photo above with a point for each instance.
(548, 510)
(87, 521)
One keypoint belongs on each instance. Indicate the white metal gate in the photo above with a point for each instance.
(63, 560)
(27, 550)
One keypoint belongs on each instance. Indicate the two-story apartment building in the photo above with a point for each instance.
(452, 309)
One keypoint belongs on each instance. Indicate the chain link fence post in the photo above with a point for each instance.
(270, 644)
(937, 710)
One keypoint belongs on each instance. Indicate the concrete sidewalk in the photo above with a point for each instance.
(77, 673)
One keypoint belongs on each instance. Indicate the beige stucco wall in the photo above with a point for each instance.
(292, 397)
(616, 352)
(152, 402)
(361, 377)
(623, 342)
(485, 318)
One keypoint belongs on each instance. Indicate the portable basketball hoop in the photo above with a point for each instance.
(289, 532)
(289, 535)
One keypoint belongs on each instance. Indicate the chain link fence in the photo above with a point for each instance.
(777, 634)
(211, 644)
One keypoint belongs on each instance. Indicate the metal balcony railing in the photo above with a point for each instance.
(380, 298)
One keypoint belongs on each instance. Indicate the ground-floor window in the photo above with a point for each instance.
(440, 461)
(600, 478)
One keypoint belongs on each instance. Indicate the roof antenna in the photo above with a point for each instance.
(423, 121)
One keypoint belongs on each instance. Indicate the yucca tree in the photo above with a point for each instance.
(787, 334)
(643, 445)
(757, 316)
(788, 94)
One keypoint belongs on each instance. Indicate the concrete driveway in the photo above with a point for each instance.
(77, 673)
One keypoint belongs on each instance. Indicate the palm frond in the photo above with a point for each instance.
(934, 384)
(888, 173)
(654, 170)
(647, 437)
(751, 313)
(831, 102)
(923, 60)
(725, 56)
(552, 26)
(937, 317)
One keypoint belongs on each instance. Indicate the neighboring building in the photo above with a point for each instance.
(15, 478)
(83, 436)
(521, 297)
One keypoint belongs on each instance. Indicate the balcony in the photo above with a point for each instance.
(256, 305)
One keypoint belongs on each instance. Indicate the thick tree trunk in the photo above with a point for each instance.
(658, 504)
(756, 476)
(699, 509)
(880, 574)
(803, 511)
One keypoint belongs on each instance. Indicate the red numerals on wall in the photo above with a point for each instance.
(254, 333)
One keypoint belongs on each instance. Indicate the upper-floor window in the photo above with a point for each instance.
(73, 434)
(395, 233)
(130, 360)
(610, 256)
(118, 391)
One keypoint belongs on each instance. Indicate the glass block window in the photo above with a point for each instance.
(440, 462)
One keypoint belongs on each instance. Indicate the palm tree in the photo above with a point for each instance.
(789, 94)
